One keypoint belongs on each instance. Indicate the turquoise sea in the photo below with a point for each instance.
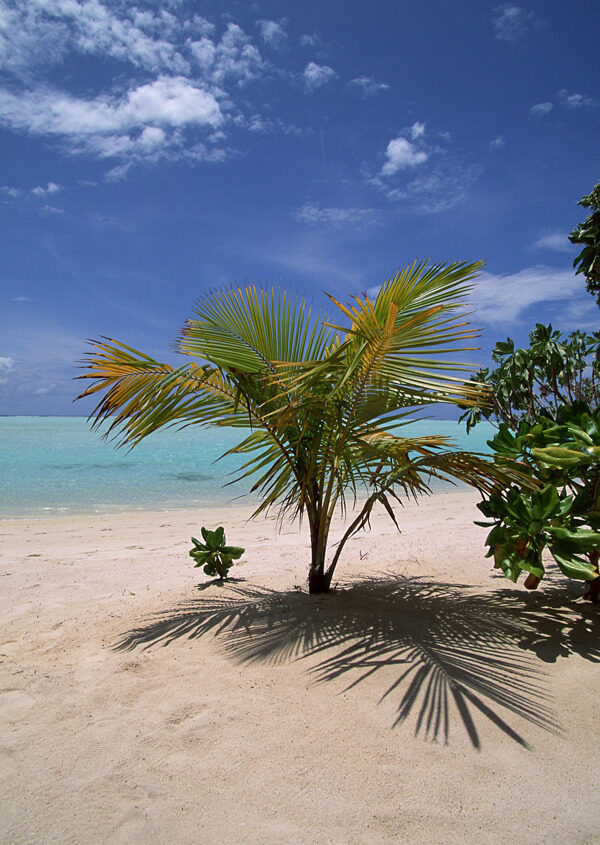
(57, 465)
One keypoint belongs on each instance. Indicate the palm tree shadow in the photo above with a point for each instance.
(441, 644)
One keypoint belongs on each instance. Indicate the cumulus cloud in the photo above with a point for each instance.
(189, 87)
(51, 188)
(38, 31)
(273, 33)
(233, 58)
(402, 154)
(136, 123)
(315, 214)
(512, 23)
(367, 87)
(541, 108)
(315, 76)
(501, 299)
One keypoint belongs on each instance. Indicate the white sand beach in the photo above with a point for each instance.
(426, 700)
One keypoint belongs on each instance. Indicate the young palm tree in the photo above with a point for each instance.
(323, 402)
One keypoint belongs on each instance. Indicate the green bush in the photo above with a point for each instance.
(214, 555)
(545, 400)
(563, 515)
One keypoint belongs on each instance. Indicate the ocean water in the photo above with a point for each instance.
(57, 465)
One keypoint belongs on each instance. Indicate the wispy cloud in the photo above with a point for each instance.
(367, 87)
(6, 365)
(573, 100)
(273, 33)
(423, 176)
(315, 214)
(497, 143)
(504, 299)
(567, 100)
(541, 108)
(554, 241)
(315, 76)
(513, 23)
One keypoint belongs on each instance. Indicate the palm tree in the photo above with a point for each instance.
(323, 403)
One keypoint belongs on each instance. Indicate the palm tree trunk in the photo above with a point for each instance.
(319, 581)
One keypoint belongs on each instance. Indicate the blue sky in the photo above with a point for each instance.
(151, 151)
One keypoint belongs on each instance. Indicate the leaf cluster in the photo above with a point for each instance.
(563, 515)
(553, 371)
(213, 554)
(587, 234)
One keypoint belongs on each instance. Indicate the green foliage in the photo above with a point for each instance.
(213, 554)
(324, 401)
(545, 399)
(563, 515)
(551, 372)
(588, 235)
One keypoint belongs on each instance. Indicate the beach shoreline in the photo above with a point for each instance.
(131, 714)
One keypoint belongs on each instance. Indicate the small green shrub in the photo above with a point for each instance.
(563, 515)
(213, 554)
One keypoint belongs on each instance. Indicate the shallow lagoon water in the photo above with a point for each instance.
(57, 465)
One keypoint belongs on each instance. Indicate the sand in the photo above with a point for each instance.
(426, 700)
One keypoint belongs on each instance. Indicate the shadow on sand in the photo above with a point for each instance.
(434, 645)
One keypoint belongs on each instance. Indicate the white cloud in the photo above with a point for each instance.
(273, 33)
(313, 40)
(401, 154)
(191, 81)
(45, 389)
(51, 188)
(136, 124)
(260, 123)
(39, 31)
(367, 86)
(541, 108)
(512, 23)
(173, 101)
(574, 100)
(501, 299)
(566, 100)
(233, 58)
(497, 143)
(6, 365)
(417, 130)
(437, 190)
(555, 241)
(11, 192)
(316, 76)
(315, 214)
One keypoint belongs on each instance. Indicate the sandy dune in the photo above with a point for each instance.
(425, 701)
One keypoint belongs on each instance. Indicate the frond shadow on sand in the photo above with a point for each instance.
(443, 644)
